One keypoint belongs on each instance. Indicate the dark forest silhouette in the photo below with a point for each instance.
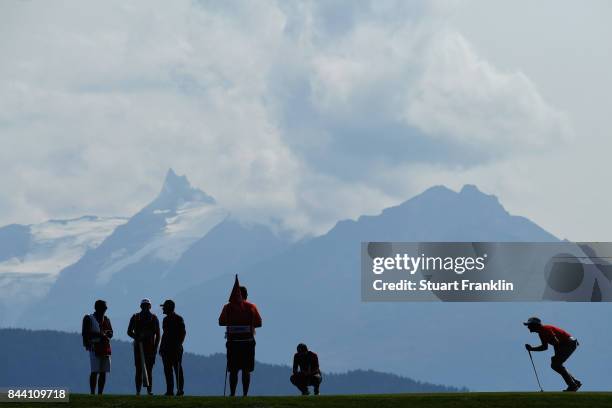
(51, 358)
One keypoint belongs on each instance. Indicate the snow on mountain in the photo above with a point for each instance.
(55, 244)
(183, 226)
(33, 256)
(181, 239)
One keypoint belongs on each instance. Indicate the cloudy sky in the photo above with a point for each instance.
(307, 111)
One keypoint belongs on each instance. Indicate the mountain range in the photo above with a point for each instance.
(185, 246)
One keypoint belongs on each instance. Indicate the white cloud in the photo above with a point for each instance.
(277, 109)
(464, 98)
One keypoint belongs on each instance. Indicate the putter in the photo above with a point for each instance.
(145, 375)
(535, 371)
(225, 382)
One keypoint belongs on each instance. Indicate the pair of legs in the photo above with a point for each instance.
(240, 357)
(139, 377)
(100, 365)
(173, 368)
(233, 380)
(302, 381)
(556, 363)
(100, 379)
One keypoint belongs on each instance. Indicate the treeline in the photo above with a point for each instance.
(57, 359)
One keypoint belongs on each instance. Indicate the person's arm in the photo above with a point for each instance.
(157, 334)
(256, 317)
(223, 316)
(541, 347)
(109, 331)
(182, 331)
(295, 364)
(130, 330)
(314, 365)
(85, 329)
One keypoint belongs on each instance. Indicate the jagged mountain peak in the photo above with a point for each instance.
(176, 191)
(440, 213)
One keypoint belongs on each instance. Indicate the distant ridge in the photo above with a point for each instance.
(51, 358)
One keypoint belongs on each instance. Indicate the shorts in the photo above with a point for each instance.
(240, 355)
(99, 364)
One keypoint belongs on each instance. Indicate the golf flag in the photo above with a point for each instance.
(236, 295)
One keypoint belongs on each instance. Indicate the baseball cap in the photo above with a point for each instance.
(532, 320)
(169, 303)
(145, 301)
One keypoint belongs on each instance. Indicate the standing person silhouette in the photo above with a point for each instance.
(171, 348)
(240, 318)
(97, 332)
(144, 329)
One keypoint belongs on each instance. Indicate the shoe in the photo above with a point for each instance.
(180, 393)
(316, 391)
(574, 387)
(305, 392)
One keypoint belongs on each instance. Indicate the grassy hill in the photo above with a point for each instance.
(447, 400)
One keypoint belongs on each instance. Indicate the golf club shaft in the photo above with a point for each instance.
(535, 371)
(225, 381)
(143, 364)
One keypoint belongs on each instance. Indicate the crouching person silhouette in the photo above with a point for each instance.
(97, 332)
(306, 370)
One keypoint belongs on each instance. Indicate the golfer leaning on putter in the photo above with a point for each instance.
(563, 343)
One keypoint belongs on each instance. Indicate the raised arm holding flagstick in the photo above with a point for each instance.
(240, 318)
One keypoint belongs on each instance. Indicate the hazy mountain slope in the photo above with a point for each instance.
(229, 247)
(31, 256)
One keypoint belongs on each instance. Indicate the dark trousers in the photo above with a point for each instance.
(149, 363)
(173, 367)
(562, 353)
(302, 381)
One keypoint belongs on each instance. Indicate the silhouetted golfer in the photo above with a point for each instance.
(563, 343)
(144, 329)
(241, 318)
(306, 370)
(171, 348)
(97, 332)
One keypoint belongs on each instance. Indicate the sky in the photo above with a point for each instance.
(307, 112)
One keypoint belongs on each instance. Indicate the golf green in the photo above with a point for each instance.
(452, 400)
